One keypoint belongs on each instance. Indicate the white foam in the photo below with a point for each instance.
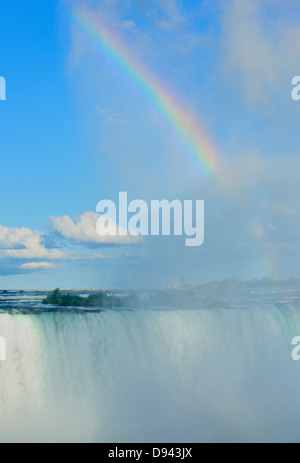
(130, 376)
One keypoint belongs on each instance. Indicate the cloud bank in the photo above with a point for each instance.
(25, 250)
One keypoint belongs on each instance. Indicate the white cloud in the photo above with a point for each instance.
(83, 231)
(37, 266)
(23, 243)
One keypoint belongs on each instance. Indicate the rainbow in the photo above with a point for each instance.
(186, 127)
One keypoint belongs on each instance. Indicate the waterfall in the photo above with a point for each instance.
(150, 376)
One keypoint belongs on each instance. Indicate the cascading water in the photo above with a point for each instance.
(150, 376)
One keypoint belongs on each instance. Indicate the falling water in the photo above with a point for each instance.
(150, 376)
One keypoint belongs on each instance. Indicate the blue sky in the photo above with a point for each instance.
(74, 131)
